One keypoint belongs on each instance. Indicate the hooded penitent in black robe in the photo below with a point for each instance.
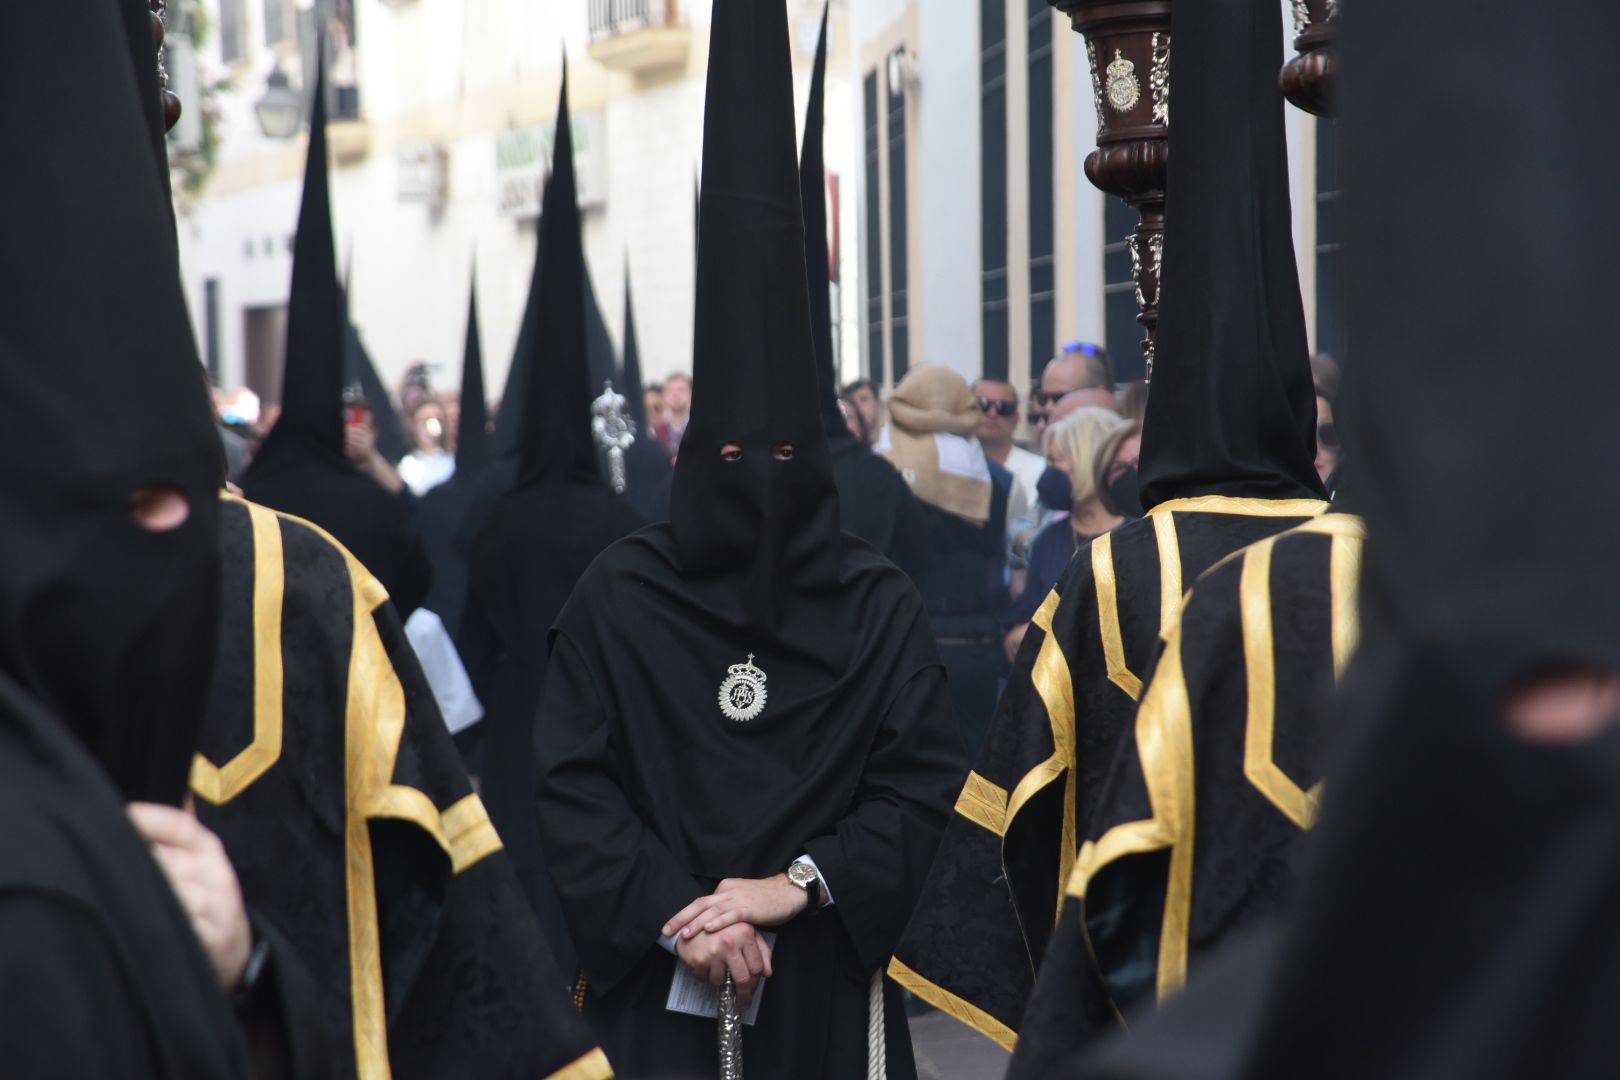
(301, 468)
(392, 441)
(650, 793)
(1230, 748)
(1456, 916)
(539, 539)
(1227, 460)
(646, 464)
(874, 502)
(442, 512)
(105, 628)
(328, 772)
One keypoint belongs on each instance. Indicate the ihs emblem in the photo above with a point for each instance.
(1123, 88)
(742, 695)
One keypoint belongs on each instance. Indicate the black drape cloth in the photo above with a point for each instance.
(101, 972)
(1456, 912)
(1197, 825)
(650, 795)
(1064, 717)
(328, 773)
(301, 468)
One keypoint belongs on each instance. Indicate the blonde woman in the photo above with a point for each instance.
(1074, 447)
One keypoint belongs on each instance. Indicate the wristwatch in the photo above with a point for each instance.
(803, 874)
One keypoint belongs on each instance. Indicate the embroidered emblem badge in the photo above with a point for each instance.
(742, 695)
(1123, 88)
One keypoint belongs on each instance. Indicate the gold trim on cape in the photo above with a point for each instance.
(1228, 504)
(984, 803)
(471, 834)
(219, 784)
(1106, 584)
(1260, 664)
(593, 1066)
(953, 1006)
(1055, 686)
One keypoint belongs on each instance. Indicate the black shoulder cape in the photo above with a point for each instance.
(1034, 792)
(1197, 826)
(329, 774)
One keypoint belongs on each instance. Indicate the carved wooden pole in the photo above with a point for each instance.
(1128, 44)
(1310, 79)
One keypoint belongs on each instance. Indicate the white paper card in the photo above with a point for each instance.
(695, 997)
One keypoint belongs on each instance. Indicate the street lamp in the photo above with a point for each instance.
(281, 109)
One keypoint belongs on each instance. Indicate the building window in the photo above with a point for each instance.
(278, 22)
(232, 31)
(899, 248)
(874, 235)
(1331, 335)
(1042, 232)
(993, 186)
(1125, 334)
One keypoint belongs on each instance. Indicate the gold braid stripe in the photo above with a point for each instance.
(471, 834)
(1164, 531)
(1226, 504)
(593, 1066)
(219, 784)
(1056, 689)
(953, 1006)
(983, 803)
(1260, 662)
(1107, 585)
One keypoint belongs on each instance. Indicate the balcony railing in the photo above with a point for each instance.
(609, 18)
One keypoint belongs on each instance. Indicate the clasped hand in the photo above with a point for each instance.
(720, 932)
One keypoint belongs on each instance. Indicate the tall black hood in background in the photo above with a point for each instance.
(817, 260)
(1232, 410)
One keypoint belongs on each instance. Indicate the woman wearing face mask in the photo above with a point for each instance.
(1076, 480)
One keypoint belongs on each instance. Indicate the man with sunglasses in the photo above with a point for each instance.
(1080, 366)
(998, 401)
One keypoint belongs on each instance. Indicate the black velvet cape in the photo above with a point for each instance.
(650, 796)
(993, 897)
(1195, 835)
(327, 771)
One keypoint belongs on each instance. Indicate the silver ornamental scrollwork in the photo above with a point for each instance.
(1149, 348)
(1302, 17)
(1159, 79)
(1332, 10)
(1136, 270)
(1123, 88)
(160, 8)
(730, 1032)
(614, 432)
(1096, 86)
(1156, 249)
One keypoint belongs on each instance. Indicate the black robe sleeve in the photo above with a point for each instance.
(69, 1012)
(877, 855)
(618, 882)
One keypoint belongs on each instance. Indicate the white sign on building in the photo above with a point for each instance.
(523, 157)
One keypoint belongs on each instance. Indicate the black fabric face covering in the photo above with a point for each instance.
(110, 625)
(1055, 489)
(1124, 495)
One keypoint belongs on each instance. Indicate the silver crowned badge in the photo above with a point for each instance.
(742, 695)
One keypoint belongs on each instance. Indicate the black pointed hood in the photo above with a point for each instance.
(1232, 410)
(556, 437)
(635, 391)
(310, 428)
(102, 395)
(601, 358)
(817, 260)
(472, 439)
(764, 525)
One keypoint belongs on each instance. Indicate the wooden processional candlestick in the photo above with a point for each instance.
(1128, 45)
(1310, 79)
